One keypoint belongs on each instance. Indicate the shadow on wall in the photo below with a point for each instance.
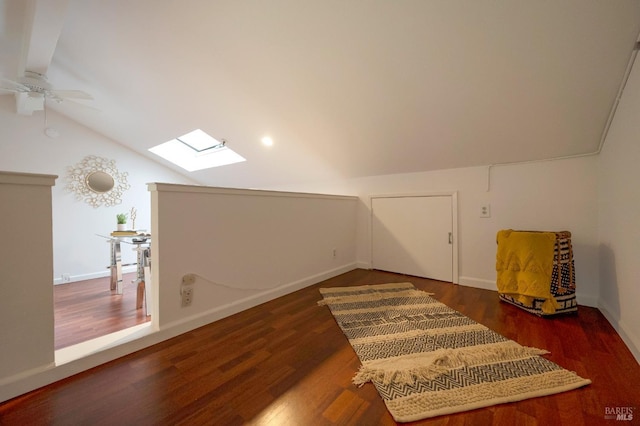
(588, 274)
(609, 281)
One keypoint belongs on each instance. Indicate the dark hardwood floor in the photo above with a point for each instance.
(87, 309)
(286, 362)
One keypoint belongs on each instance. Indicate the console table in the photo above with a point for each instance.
(141, 243)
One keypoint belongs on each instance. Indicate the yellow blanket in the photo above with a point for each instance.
(524, 263)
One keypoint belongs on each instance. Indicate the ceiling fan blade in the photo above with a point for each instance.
(74, 104)
(71, 94)
(13, 86)
(34, 85)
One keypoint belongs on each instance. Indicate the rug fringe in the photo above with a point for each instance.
(425, 366)
(430, 404)
(352, 298)
(367, 287)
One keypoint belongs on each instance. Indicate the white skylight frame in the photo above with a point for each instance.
(197, 151)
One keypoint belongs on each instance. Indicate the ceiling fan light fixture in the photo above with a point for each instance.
(32, 88)
(35, 82)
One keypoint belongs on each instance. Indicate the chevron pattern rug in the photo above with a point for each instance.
(427, 360)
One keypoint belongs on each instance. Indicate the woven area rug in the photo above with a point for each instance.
(426, 359)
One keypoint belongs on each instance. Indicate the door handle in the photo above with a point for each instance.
(450, 237)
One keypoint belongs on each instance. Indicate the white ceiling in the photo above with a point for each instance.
(346, 88)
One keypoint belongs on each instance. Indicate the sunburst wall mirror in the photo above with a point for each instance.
(97, 181)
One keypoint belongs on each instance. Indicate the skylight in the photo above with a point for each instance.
(196, 151)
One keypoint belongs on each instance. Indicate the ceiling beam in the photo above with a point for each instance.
(43, 24)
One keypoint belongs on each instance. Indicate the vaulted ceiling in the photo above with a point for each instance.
(345, 88)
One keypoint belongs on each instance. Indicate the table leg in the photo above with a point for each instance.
(141, 253)
(147, 289)
(116, 266)
(140, 294)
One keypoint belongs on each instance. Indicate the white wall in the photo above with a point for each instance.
(26, 270)
(557, 195)
(619, 218)
(245, 246)
(25, 148)
(257, 244)
(551, 195)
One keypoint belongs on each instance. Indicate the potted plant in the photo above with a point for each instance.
(122, 221)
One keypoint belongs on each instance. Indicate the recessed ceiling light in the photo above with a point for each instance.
(267, 141)
(196, 151)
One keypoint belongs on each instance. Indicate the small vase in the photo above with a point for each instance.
(121, 227)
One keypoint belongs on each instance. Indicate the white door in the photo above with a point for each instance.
(413, 235)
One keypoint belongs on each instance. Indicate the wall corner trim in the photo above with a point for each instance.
(171, 187)
(16, 178)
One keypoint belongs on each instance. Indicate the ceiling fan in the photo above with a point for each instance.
(33, 89)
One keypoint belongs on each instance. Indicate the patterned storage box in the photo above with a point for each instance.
(563, 280)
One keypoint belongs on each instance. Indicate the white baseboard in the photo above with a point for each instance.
(626, 334)
(363, 265)
(219, 312)
(86, 355)
(92, 275)
(478, 283)
(583, 299)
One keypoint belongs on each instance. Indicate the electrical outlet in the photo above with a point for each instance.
(186, 293)
(66, 278)
(485, 210)
(188, 279)
(335, 252)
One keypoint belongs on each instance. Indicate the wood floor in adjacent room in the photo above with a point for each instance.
(88, 309)
(286, 362)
